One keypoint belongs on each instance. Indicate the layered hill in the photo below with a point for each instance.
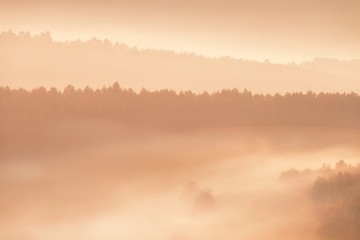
(30, 61)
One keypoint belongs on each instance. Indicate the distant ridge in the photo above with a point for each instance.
(29, 61)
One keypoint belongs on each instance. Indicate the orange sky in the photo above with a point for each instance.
(279, 30)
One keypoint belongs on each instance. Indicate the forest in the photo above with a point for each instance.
(167, 109)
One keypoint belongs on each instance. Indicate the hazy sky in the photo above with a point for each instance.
(279, 30)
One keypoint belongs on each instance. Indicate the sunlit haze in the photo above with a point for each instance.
(278, 30)
(179, 120)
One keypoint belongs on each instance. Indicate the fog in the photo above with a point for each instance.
(179, 120)
(223, 183)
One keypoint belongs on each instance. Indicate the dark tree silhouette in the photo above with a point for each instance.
(168, 109)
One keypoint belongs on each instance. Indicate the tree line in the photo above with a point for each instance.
(185, 109)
